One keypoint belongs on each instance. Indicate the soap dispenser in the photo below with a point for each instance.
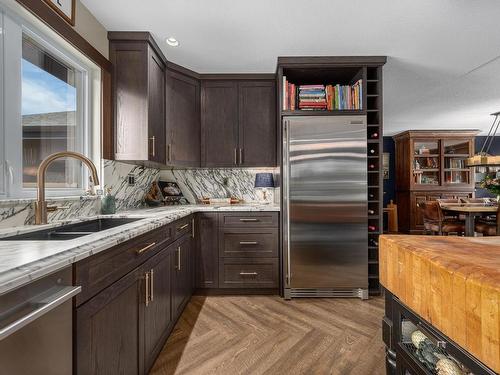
(108, 203)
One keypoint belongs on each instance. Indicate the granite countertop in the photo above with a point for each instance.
(24, 261)
(451, 282)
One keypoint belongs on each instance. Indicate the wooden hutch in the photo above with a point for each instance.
(431, 165)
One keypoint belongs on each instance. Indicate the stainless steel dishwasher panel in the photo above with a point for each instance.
(36, 327)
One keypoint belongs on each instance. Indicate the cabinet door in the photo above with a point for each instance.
(109, 329)
(207, 252)
(157, 313)
(257, 123)
(130, 91)
(183, 120)
(182, 275)
(219, 123)
(417, 217)
(156, 108)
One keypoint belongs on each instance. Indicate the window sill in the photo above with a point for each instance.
(20, 201)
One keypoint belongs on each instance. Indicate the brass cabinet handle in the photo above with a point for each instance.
(236, 156)
(248, 273)
(183, 226)
(249, 243)
(241, 156)
(169, 152)
(151, 286)
(192, 228)
(246, 220)
(145, 248)
(154, 145)
(147, 289)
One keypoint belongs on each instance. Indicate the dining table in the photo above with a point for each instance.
(470, 211)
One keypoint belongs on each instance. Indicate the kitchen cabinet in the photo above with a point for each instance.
(207, 250)
(182, 120)
(112, 319)
(138, 97)
(133, 294)
(257, 123)
(238, 123)
(219, 124)
(157, 312)
(182, 275)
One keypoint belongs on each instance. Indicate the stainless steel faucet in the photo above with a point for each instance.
(41, 205)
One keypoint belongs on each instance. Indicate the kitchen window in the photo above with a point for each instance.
(48, 104)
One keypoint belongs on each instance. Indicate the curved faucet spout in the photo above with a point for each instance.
(41, 204)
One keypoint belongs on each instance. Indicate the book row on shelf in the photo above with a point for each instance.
(322, 97)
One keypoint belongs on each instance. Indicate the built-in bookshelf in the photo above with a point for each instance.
(366, 73)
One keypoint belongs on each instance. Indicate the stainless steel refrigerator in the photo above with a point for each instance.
(325, 220)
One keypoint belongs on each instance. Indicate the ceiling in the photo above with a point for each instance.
(443, 68)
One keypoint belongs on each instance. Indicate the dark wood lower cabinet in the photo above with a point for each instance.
(158, 312)
(109, 329)
(182, 276)
(207, 250)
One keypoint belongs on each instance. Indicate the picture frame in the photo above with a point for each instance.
(386, 157)
(64, 8)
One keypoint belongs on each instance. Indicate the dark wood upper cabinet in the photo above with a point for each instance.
(182, 120)
(238, 123)
(139, 97)
(257, 123)
(219, 123)
(207, 250)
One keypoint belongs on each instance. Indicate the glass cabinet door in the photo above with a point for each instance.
(455, 153)
(426, 162)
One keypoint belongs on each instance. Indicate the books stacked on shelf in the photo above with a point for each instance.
(321, 97)
(312, 97)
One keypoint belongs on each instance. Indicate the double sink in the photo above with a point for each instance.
(71, 231)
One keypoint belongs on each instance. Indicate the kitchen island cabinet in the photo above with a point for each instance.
(448, 289)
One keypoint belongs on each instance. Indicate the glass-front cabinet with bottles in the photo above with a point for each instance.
(441, 162)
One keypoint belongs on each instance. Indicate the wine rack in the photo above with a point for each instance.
(375, 173)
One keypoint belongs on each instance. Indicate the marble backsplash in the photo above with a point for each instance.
(219, 183)
(194, 183)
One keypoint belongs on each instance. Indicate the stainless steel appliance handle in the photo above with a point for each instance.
(153, 139)
(46, 304)
(286, 192)
(249, 243)
(249, 220)
(151, 287)
(248, 273)
(235, 156)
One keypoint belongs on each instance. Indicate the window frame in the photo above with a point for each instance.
(88, 109)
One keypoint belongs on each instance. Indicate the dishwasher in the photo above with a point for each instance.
(36, 327)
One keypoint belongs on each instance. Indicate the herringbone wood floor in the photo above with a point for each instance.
(267, 335)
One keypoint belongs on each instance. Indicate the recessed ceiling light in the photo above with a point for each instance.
(172, 42)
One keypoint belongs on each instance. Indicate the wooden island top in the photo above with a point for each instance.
(453, 283)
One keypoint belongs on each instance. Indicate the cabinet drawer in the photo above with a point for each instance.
(248, 273)
(101, 270)
(249, 219)
(248, 242)
(183, 226)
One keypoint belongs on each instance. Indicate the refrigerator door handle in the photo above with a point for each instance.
(286, 193)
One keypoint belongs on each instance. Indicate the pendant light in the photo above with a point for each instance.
(483, 159)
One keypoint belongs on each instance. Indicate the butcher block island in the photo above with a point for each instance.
(442, 304)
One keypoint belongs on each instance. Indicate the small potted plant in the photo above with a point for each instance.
(492, 184)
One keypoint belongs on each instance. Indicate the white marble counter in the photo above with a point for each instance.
(25, 261)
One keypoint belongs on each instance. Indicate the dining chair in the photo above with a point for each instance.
(436, 223)
(489, 227)
(448, 215)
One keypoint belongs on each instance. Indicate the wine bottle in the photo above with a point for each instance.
(371, 166)
(374, 135)
(371, 196)
(372, 228)
(372, 242)
(371, 212)
(372, 151)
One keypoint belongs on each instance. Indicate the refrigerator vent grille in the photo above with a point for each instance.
(350, 293)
